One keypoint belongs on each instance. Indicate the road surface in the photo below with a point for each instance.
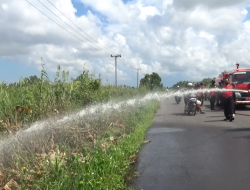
(200, 152)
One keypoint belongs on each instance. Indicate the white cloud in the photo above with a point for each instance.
(208, 3)
(200, 39)
(148, 11)
(4, 6)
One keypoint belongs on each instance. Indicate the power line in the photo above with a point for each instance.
(72, 28)
(80, 28)
(124, 61)
(60, 25)
(99, 49)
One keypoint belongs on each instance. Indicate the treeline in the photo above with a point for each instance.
(151, 81)
(183, 84)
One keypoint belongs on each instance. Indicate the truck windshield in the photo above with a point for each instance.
(241, 77)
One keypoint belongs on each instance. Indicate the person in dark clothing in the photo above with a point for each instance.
(234, 97)
(205, 94)
(228, 101)
(221, 95)
(198, 86)
(212, 95)
(218, 95)
(202, 94)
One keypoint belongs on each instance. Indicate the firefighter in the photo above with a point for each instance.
(221, 99)
(228, 101)
(212, 95)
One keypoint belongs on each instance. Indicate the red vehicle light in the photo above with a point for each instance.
(248, 87)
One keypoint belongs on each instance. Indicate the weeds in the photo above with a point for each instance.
(94, 151)
(43, 96)
(98, 158)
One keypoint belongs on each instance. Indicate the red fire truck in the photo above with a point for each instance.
(240, 78)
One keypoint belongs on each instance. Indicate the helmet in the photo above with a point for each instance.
(189, 84)
(178, 87)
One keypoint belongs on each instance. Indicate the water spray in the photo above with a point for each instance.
(41, 129)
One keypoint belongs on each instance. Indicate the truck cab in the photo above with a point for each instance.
(240, 78)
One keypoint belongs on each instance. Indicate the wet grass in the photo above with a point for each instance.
(102, 158)
(92, 152)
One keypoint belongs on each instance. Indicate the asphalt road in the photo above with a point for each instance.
(200, 152)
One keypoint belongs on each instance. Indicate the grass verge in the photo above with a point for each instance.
(100, 159)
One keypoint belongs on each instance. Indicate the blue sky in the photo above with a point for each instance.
(12, 71)
(248, 14)
(83, 9)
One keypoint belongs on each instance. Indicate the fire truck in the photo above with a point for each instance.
(240, 78)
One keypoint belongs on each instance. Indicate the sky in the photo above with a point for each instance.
(179, 40)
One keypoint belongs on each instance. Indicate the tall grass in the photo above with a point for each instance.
(43, 96)
(101, 161)
(92, 153)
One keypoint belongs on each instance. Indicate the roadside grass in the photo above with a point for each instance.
(91, 152)
(100, 158)
(42, 97)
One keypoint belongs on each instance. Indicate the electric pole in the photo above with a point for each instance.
(138, 76)
(116, 66)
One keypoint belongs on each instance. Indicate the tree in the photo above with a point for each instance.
(183, 84)
(207, 81)
(151, 81)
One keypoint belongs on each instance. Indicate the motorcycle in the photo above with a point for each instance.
(178, 99)
(191, 107)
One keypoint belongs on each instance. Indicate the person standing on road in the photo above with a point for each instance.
(212, 95)
(205, 93)
(228, 101)
(200, 94)
(167, 90)
(221, 99)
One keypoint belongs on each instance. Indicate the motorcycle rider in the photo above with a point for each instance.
(187, 97)
(212, 95)
(177, 96)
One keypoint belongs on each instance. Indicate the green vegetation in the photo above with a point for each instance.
(151, 81)
(93, 152)
(104, 162)
(207, 81)
(43, 96)
(183, 84)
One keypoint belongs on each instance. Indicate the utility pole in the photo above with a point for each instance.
(138, 76)
(115, 56)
